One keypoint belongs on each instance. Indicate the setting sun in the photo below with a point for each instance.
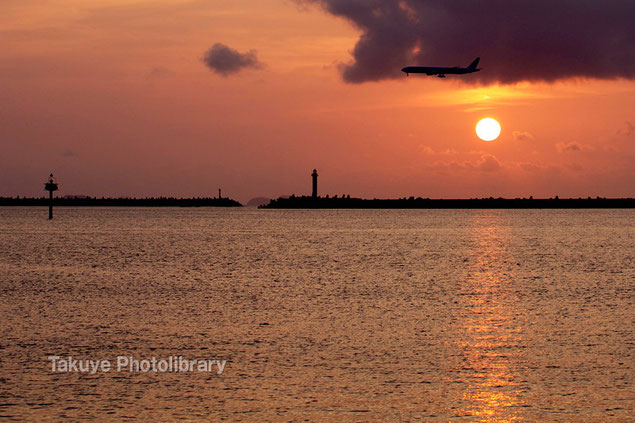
(488, 129)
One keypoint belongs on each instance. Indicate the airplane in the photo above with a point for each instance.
(441, 72)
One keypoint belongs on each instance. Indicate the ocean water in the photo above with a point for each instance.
(326, 315)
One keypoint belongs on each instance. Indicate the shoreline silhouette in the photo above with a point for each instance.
(334, 202)
(346, 202)
(121, 202)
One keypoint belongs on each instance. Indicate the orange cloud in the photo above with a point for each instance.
(522, 136)
(489, 163)
(563, 147)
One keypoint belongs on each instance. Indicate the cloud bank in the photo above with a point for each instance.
(520, 40)
(225, 60)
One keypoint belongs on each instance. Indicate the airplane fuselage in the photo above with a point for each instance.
(442, 71)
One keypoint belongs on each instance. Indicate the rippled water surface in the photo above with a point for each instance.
(367, 315)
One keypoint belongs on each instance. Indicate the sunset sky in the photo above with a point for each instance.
(179, 98)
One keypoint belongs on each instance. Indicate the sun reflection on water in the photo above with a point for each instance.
(491, 338)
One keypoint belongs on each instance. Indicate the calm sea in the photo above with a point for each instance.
(366, 315)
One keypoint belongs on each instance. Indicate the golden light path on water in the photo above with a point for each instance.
(492, 333)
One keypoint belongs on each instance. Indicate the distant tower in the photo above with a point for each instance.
(314, 175)
(50, 186)
(219, 197)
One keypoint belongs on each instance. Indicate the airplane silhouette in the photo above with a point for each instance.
(440, 71)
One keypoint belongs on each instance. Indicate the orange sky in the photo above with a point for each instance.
(113, 97)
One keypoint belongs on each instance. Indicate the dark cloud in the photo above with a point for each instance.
(226, 61)
(520, 40)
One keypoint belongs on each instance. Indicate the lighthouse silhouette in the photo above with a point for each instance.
(50, 186)
(314, 175)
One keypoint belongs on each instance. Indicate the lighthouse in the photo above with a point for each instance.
(50, 186)
(314, 175)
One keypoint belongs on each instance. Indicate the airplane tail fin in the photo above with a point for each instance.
(474, 64)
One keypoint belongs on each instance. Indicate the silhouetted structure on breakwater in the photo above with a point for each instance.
(347, 202)
(314, 175)
(50, 186)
